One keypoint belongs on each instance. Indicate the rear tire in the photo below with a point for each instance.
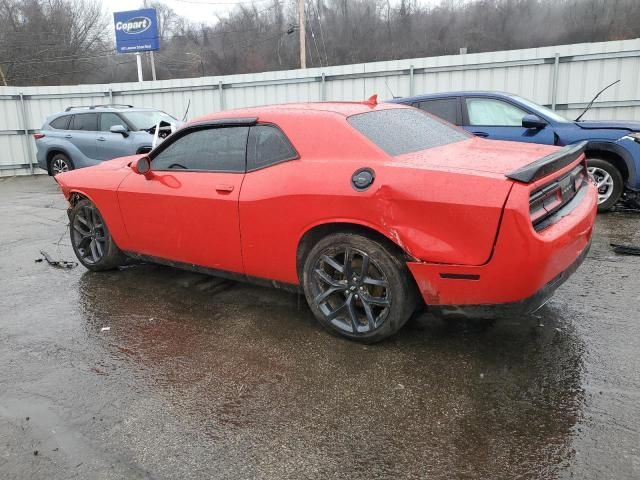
(92, 243)
(357, 288)
(60, 163)
(608, 180)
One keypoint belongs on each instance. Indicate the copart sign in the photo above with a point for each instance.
(136, 30)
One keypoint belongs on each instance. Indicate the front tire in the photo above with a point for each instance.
(608, 180)
(357, 288)
(60, 163)
(92, 243)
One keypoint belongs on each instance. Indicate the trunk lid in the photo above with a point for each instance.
(494, 158)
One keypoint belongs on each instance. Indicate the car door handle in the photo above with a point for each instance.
(102, 139)
(68, 136)
(224, 188)
(481, 134)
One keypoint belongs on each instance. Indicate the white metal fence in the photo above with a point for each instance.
(564, 77)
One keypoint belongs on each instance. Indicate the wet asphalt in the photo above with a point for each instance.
(199, 378)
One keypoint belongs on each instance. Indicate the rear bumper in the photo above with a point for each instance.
(525, 268)
(41, 158)
(512, 309)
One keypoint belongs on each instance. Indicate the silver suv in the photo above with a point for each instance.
(84, 136)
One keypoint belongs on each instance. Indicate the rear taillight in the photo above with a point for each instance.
(541, 201)
(552, 197)
(580, 178)
(38, 136)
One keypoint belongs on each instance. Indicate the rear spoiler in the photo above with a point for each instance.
(548, 164)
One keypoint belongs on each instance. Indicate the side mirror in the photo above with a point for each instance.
(142, 166)
(119, 129)
(533, 121)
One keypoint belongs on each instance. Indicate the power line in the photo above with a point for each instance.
(302, 34)
(199, 36)
(109, 53)
(214, 33)
(313, 36)
(324, 46)
(196, 2)
(64, 58)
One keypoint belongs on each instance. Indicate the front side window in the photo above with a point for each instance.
(61, 123)
(85, 121)
(543, 110)
(492, 112)
(267, 146)
(145, 119)
(445, 108)
(404, 130)
(108, 120)
(212, 149)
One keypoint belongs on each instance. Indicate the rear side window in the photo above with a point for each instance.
(212, 149)
(85, 121)
(61, 123)
(267, 146)
(445, 108)
(405, 130)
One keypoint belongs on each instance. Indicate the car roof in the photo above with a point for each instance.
(99, 109)
(465, 93)
(75, 110)
(344, 109)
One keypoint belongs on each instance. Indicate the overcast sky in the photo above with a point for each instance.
(199, 10)
(191, 9)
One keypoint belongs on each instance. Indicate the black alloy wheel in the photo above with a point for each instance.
(357, 288)
(90, 238)
(88, 234)
(350, 290)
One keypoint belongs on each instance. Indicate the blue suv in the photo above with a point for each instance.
(613, 148)
(84, 136)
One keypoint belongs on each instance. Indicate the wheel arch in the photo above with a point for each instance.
(614, 154)
(313, 234)
(117, 231)
(75, 196)
(52, 152)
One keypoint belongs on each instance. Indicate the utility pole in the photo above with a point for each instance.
(303, 34)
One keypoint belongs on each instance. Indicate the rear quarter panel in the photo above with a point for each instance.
(435, 216)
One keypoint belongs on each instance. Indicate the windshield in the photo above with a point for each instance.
(144, 120)
(405, 130)
(547, 112)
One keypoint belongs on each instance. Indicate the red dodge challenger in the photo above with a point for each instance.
(370, 209)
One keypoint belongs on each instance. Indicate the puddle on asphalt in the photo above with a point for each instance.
(248, 360)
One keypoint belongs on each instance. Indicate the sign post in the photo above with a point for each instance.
(137, 31)
(153, 66)
(139, 64)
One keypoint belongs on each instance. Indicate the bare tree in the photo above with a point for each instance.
(52, 41)
(64, 41)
